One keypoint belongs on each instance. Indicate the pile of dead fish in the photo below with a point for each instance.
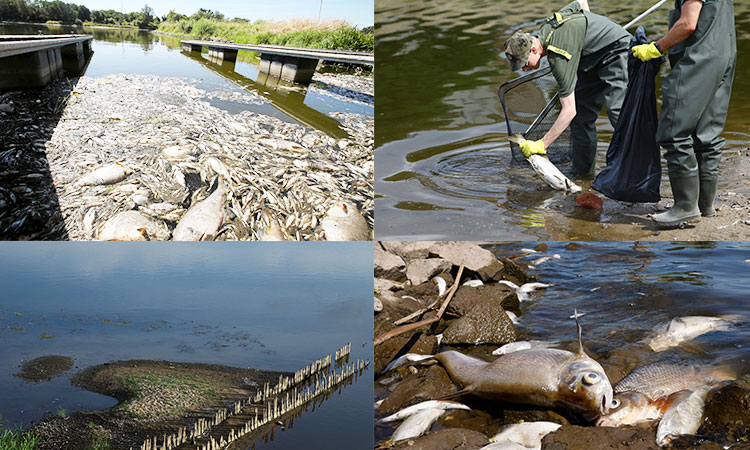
(147, 158)
(458, 357)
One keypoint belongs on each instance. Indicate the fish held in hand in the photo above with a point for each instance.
(202, 221)
(109, 174)
(547, 171)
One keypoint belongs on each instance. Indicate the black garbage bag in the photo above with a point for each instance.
(633, 172)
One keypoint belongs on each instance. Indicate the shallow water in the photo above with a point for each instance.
(271, 306)
(139, 52)
(623, 291)
(444, 165)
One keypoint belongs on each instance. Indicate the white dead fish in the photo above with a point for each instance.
(132, 226)
(524, 291)
(683, 417)
(512, 316)
(522, 345)
(272, 232)
(109, 174)
(547, 171)
(683, 329)
(378, 305)
(473, 283)
(416, 424)
(280, 144)
(441, 284)
(88, 220)
(544, 259)
(343, 222)
(406, 359)
(218, 167)
(202, 221)
(423, 406)
(526, 434)
(176, 152)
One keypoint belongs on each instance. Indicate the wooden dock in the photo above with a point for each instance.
(34, 60)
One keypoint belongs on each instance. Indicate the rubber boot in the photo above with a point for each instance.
(685, 191)
(706, 197)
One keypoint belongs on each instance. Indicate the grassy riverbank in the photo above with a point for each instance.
(336, 34)
(12, 440)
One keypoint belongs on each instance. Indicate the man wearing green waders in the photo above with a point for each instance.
(588, 55)
(695, 98)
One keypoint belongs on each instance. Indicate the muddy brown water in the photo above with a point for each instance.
(445, 169)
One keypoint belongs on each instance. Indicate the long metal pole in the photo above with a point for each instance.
(645, 13)
(320, 10)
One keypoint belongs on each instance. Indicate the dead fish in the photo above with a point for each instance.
(202, 221)
(512, 316)
(683, 329)
(429, 404)
(176, 152)
(527, 435)
(538, 376)
(682, 417)
(473, 283)
(272, 232)
(343, 222)
(547, 171)
(441, 284)
(646, 393)
(543, 260)
(132, 226)
(218, 167)
(522, 345)
(88, 220)
(280, 144)
(109, 174)
(416, 424)
(524, 291)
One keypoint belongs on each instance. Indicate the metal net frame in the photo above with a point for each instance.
(530, 108)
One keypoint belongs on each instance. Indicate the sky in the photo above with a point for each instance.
(356, 12)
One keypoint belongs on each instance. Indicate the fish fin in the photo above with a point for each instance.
(516, 138)
(580, 332)
(464, 391)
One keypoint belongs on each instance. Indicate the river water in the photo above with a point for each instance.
(140, 52)
(269, 306)
(444, 166)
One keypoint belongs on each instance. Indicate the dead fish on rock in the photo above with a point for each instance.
(343, 222)
(524, 291)
(202, 221)
(683, 416)
(549, 173)
(109, 174)
(132, 226)
(539, 376)
(420, 417)
(525, 435)
(645, 394)
(522, 345)
(684, 329)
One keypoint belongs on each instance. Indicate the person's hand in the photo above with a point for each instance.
(532, 148)
(646, 52)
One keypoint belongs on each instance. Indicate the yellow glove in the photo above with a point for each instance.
(646, 52)
(532, 148)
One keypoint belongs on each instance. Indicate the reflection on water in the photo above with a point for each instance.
(441, 65)
(276, 307)
(627, 289)
(140, 52)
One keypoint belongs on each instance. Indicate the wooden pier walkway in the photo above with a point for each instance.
(35, 60)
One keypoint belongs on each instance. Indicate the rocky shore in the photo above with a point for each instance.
(477, 320)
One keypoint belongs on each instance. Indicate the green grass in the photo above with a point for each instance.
(328, 35)
(17, 440)
(62, 413)
(99, 440)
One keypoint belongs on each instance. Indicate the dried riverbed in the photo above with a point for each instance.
(283, 179)
(478, 320)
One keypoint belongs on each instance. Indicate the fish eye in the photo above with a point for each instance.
(616, 403)
(591, 378)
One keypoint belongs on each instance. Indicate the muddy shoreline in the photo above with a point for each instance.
(404, 285)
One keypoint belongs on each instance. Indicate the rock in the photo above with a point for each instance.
(419, 271)
(383, 285)
(589, 200)
(515, 272)
(447, 439)
(474, 258)
(6, 108)
(601, 438)
(486, 323)
(467, 298)
(727, 411)
(428, 384)
(388, 265)
(408, 249)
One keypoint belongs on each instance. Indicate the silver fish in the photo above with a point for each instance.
(682, 417)
(683, 329)
(549, 173)
(429, 404)
(109, 174)
(202, 221)
(343, 222)
(522, 345)
(524, 291)
(417, 424)
(630, 408)
(132, 226)
(527, 435)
